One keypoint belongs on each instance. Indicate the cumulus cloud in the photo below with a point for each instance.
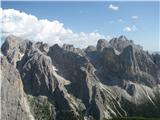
(30, 27)
(130, 28)
(135, 17)
(113, 7)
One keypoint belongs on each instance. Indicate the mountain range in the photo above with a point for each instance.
(115, 79)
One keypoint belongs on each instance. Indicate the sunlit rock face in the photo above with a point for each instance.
(114, 79)
(14, 104)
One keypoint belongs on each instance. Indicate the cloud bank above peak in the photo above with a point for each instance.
(29, 26)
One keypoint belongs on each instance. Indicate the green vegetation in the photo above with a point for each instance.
(133, 118)
(156, 100)
(68, 115)
(41, 110)
(147, 109)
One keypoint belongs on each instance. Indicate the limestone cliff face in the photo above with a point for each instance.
(14, 104)
(113, 79)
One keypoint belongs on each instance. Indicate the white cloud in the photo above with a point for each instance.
(113, 7)
(30, 27)
(135, 17)
(130, 28)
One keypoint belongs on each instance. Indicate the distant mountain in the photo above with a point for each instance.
(112, 80)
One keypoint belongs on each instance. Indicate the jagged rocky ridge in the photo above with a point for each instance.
(114, 79)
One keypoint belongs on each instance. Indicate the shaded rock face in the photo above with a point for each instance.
(68, 61)
(37, 73)
(110, 80)
(156, 58)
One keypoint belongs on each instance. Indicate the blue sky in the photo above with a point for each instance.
(136, 20)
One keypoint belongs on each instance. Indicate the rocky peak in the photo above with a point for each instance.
(90, 49)
(122, 42)
(12, 42)
(9, 44)
(101, 44)
(14, 48)
(68, 47)
(43, 47)
(71, 48)
(122, 38)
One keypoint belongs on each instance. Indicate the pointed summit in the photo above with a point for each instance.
(123, 38)
(101, 44)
